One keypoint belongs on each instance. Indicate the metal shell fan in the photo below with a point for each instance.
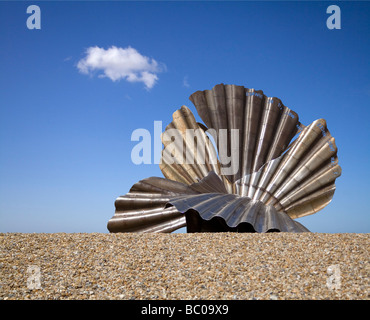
(253, 167)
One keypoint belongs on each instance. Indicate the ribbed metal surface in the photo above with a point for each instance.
(276, 178)
(182, 160)
(265, 125)
(235, 211)
(160, 205)
(143, 208)
(301, 181)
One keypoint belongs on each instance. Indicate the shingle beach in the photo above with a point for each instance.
(184, 266)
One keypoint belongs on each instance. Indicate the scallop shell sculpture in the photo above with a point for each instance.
(251, 167)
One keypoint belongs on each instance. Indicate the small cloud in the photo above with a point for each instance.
(185, 82)
(121, 63)
(67, 59)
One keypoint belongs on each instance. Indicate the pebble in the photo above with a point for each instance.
(206, 266)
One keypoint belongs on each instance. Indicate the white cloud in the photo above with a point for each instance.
(121, 63)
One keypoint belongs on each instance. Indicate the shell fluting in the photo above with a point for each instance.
(252, 166)
(183, 160)
(264, 125)
(143, 208)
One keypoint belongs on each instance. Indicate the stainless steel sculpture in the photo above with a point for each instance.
(268, 169)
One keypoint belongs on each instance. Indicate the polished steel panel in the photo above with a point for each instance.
(265, 125)
(173, 162)
(304, 172)
(235, 211)
(143, 208)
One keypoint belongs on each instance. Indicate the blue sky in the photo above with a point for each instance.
(65, 136)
